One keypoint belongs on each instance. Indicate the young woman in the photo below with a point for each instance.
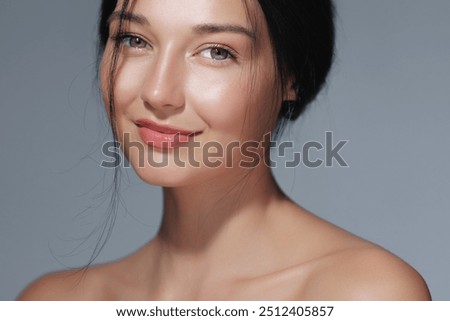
(192, 89)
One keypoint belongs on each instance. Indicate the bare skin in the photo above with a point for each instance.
(227, 233)
(351, 270)
(289, 254)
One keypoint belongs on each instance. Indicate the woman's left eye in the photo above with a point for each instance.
(216, 53)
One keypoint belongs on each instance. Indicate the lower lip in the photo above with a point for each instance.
(162, 140)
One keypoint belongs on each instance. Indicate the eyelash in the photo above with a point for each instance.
(125, 36)
(122, 38)
(232, 54)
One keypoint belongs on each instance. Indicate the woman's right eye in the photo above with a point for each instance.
(131, 41)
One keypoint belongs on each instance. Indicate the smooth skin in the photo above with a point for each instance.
(228, 233)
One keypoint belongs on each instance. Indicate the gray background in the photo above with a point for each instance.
(389, 95)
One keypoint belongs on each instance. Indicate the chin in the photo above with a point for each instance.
(172, 176)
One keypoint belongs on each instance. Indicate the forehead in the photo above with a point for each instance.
(193, 11)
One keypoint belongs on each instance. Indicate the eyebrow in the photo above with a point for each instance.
(217, 28)
(201, 28)
(129, 16)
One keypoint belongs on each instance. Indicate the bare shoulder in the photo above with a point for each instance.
(366, 273)
(342, 266)
(71, 285)
(54, 286)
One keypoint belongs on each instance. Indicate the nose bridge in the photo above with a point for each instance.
(164, 82)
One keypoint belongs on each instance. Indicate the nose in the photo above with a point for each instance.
(164, 85)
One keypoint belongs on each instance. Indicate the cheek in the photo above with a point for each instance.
(218, 100)
(128, 83)
(128, 80)
(237, 104)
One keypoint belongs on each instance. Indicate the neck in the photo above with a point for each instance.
(196, 217)
(200, 219)
(211, 232)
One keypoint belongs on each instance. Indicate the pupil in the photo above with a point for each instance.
(219, 53)
(137, 42)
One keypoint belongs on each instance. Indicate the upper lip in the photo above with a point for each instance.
(163, 129)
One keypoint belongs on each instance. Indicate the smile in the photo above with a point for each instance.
(162, 137)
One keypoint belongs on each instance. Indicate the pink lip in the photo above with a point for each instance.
(162, 137)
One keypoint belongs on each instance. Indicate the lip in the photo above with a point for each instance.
(162, 137)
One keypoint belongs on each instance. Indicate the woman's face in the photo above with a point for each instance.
(198, 67)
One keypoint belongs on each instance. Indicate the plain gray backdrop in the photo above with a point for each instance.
(388, 95)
